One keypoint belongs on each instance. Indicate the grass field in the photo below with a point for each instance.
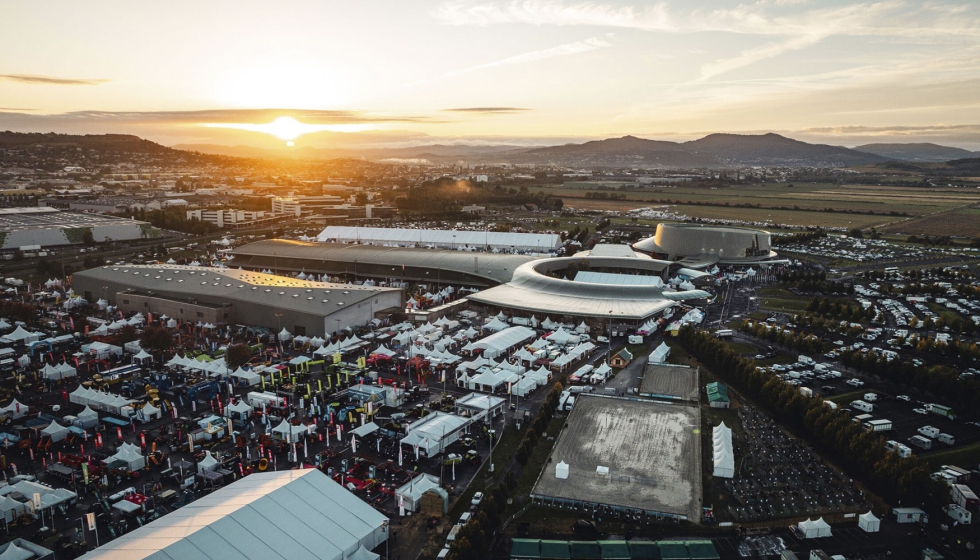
(960, 222)
(806, 203)
(966, 455)
(778, 299)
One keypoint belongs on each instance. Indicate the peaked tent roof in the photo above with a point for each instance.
(285, 514)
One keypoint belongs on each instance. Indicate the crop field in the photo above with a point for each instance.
(959, 222)
(803, 204)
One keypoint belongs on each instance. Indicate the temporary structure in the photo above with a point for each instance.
(561, 470)
(659, 355)
(814, 529)
(868, 523)
(15, 409)
(130, 456)
(724, 458)
(208, 463)
(143, 358)
(87, 418)
(55, 431)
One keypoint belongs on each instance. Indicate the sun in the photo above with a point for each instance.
(289, 129)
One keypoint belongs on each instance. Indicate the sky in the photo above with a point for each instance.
(408, 72)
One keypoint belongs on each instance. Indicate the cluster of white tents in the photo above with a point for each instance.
(340, 346)
(20, 335)
(660, 354)
(814, 529)
(98, 400)
(59, 371)
(11, 508)
(129, 456)
(213, 368)
(723, 455)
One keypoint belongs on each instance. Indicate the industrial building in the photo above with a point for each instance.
(462, 240)
(286, 514)
(50, 227)
(227, 296)
(706, 245)
(360, 262)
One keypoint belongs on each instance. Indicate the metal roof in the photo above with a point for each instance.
(495, 267)
(293, 514)
(445, 237)
(534, 289)
(234, 286)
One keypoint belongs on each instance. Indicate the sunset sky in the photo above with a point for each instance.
(400, 72)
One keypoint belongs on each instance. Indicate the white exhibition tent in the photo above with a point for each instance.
(87, 418)
(411, 493)
(237, 521)
(814, 529)
(868, 523)
(55, 431)
(16, 409)
(129, 455)
(723, 456)
(498, 343)
(208, 463)
(659, 355)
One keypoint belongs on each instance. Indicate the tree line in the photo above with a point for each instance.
(860, 452)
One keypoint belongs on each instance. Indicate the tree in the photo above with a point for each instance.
(128, 334)
(156, 339)
(87, 238)
(360, 199)
(237, 355)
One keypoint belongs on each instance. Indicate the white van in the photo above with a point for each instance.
(863, 406)
(929, 431)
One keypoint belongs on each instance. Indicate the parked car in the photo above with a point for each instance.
(477, 499)
(904, 398)
(920, 411)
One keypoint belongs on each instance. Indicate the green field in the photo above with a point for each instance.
(803, 204)
(778, 299)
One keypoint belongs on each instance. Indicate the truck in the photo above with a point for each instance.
(862, 406)
(881, 425)
(964, 496)
(920, 442)
(724, 333)
(959, 514)
(947, 439)
(930, 432)
(899, 449)
(940, 410)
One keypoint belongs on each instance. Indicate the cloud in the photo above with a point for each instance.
(319, 117)
(551, 12)
(590, 44)
(50, 80)
(487, 110)
(757, 54)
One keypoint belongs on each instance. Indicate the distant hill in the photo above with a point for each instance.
(433, 152)
(713, 151)
(922, 152)
(101, 142)
(773, 149)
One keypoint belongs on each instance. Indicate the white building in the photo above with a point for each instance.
(221, 218)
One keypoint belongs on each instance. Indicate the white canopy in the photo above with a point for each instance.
(561, 470)
(868, 523)
(56, 431)
(561, 336)
(384, 351)
(659, 355)
(208, 463)
(130, 455)
(284, 334)
(142, 356)
(496, 325)
(15, 409)
(723, 456)
(814, 529)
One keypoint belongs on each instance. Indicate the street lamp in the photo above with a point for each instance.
(490, 423)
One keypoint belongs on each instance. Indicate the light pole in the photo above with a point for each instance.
(490, 431)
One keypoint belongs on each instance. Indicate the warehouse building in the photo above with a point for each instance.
(360, 262)
(228, 296)
(285, 514)
(454, 240)
(50, 227)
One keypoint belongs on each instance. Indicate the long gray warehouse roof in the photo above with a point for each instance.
(370, 260)
(442, 237)
(241, 287)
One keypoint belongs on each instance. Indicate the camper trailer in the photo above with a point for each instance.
(862, 406)
(929, 431)
(920, 442)
(959, 514)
